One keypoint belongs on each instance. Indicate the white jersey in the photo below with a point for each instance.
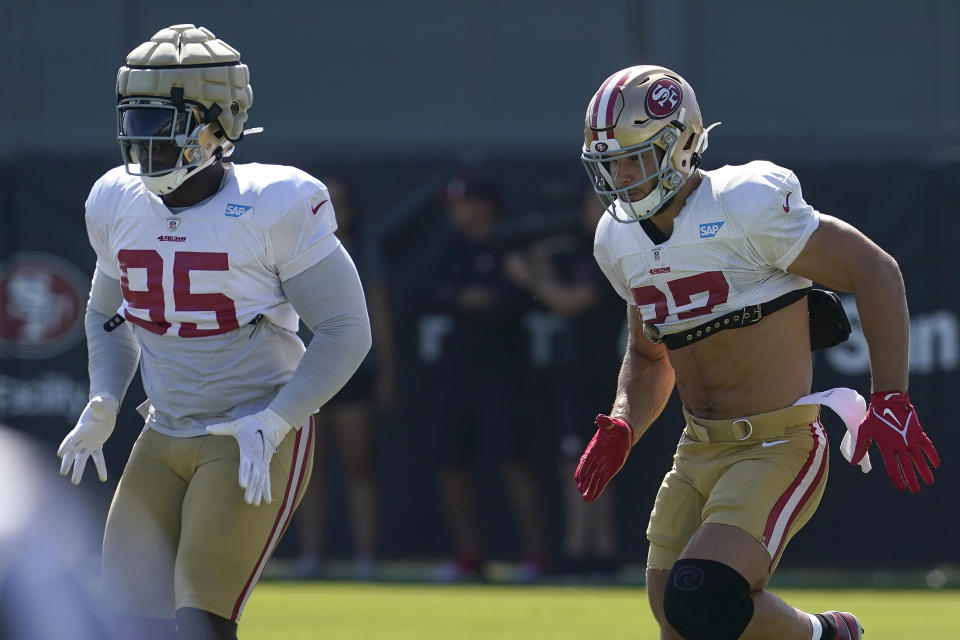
(194, 281)
(730, 247)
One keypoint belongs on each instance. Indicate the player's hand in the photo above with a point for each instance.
(258, 435)
(604, 456)
(892, 423)
(95, 425)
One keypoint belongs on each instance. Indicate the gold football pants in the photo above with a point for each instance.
(179, 533)
(764, 474)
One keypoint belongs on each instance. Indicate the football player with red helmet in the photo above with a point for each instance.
(716, 269)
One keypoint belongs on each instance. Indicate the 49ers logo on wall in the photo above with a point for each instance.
(41, 305)
(663, 98)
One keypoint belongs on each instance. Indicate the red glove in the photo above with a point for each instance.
(891, 422)
(604, 456)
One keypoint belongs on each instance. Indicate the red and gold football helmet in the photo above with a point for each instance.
(638, 111)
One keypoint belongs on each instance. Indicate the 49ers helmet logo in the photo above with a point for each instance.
(663, 98)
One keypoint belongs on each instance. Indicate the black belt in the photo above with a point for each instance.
(733, 320)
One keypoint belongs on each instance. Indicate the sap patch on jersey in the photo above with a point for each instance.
(710, 229)
(236, 210)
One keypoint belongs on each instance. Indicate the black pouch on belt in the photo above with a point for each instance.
(829, 324)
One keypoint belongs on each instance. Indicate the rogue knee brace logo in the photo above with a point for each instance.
(688, 578)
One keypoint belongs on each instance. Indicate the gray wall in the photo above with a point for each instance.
(864, 78)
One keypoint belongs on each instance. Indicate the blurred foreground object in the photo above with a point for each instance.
(48, 538)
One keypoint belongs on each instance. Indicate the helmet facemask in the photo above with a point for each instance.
(163, 143)
(617, 198)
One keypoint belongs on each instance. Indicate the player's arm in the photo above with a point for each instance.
(113, 357)
(329, 298)
(646, 378)
(643, 387)
(840, 257)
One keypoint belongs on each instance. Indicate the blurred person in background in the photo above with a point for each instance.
(716, 269)
(48, 536)
(477, 390)
(204, 268)
(349, 417)
(560, 273)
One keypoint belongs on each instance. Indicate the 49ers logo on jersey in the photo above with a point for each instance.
(663, 98)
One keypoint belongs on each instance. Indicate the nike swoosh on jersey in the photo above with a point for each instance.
(773, 443)
(786, 206)
(317, 208)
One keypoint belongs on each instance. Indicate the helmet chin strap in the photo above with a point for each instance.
(169, 182)
(640, 209)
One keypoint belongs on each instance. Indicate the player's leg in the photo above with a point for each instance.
(141, 537)
(142, 628)
(196, 624)
(715, 590)
(656, 585)
(762, 497)
(311, 517)
(768, 611)
(225, 543)
(675, 518)
(739, 557)
(354, 425)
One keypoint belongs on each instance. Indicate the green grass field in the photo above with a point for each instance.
(335, 611)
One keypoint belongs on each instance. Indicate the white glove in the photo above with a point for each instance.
(93, 428)
(258, 435)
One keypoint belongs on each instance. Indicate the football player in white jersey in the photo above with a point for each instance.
(716, 269)
(204, 268)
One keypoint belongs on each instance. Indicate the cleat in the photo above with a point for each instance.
(848, 627)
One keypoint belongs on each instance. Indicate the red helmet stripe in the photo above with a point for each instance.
(605, 100)
(598, 103)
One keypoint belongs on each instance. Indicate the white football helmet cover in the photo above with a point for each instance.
(636, 111)
(186, 88)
